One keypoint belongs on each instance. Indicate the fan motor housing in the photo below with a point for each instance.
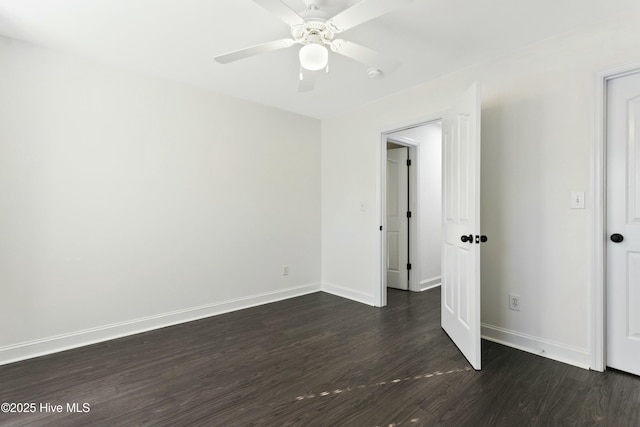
(314, 30)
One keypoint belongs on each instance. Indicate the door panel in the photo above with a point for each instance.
(397, 233)
(633, 303)
(461, 216)
(623, 217)
(449, 271)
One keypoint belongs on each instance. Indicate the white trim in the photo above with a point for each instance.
(430, 283)
(339, 291)
(598, 314)
(542, 347)
(54, 344)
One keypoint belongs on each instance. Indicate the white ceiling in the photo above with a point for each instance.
(178, 39)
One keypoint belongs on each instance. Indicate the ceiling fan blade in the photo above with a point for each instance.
(308, 81)
(363, 11)
(364, 55)
(254, 50)
(282, 11)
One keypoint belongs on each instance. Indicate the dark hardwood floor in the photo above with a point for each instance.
(316, 360)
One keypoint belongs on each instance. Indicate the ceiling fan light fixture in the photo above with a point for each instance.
(314, 56)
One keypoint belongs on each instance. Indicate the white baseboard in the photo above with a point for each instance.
(54, 344)
(348, 294)
(30, 349)
(546, 348)
(430, 283)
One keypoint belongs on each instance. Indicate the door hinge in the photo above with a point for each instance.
(408, 162)
(409, 266)
(408, 214)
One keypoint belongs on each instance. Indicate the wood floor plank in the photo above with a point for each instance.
(316, 360)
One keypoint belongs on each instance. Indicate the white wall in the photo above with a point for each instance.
(128, 203)
(537, 135)
(430, 202)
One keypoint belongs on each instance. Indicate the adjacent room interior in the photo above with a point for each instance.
(413, 202)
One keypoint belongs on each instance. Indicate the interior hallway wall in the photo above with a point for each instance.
(430, 205)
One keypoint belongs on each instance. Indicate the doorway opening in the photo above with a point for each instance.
(412, 206)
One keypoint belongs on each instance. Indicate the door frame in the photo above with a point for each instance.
(598, 321)
(414, 282)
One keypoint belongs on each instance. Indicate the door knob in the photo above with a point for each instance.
(482, 238)
(617, 238)
(466, 239)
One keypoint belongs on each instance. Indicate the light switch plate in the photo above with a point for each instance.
(577, 200)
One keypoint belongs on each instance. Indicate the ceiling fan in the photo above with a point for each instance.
(315, 32)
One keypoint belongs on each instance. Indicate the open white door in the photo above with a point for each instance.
(397, 221)
(623, 223)
(461, 225)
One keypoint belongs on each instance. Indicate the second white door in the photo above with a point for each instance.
(623, 223)
(397, 221)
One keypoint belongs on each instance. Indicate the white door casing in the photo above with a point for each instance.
(623, 218)
(461, 217)
(397, 221)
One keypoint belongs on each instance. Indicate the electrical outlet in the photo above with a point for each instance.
(514, 302)
(285, 270)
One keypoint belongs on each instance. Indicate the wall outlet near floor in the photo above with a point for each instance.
(514, 302)
(285, 270)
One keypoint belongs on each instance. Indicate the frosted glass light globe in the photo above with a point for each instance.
(314, 56)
